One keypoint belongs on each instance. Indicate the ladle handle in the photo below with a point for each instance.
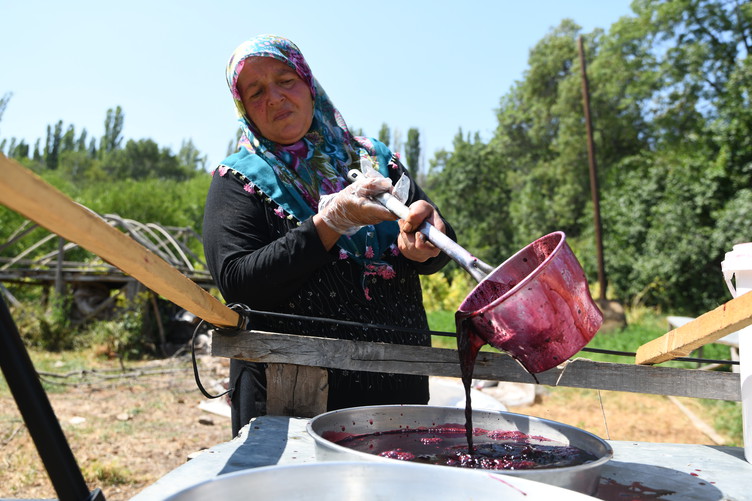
(474, 266)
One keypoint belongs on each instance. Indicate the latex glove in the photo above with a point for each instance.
(401, 189)
(352, 208)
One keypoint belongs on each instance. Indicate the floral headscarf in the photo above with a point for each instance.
(295, 176)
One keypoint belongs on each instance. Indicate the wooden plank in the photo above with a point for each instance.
(713, 325)
(26, 193)
(272, 347)
(296, 390)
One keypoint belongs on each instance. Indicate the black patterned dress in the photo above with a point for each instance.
(261, 257)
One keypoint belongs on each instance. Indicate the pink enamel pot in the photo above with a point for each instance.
(536, 306)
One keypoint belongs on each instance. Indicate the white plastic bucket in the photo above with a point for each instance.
(737, 271)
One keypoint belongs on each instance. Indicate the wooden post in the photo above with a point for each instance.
(160, 327)
(59, 282)
(296, 390)
(594, 189)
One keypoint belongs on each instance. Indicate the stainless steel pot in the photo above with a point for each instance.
(347, 481)
(583, 478)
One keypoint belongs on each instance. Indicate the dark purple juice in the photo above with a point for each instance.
(468, 346)
(447, 445)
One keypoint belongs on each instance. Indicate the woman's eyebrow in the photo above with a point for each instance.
(278, 73)
(253, 83)
(283, 71)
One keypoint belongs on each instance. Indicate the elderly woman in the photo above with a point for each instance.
(285, 232)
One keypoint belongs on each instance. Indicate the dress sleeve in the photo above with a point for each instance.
(249, 261)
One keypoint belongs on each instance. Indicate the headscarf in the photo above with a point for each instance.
(295, 176)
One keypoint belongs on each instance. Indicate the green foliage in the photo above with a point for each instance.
(144, 159)
(443, 292)
(727, 420)
(107, 472)
(126, 336)
(670, 95)
(190, 158)
(52, 147)
(47, 326)
(113, 129)
(670, 91)
(384, 134)
(4, 103)
(151, 200)
(412, 152)
(643, 325)
(466, 186)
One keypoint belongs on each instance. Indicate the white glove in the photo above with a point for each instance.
(352, 208)
(401, 189)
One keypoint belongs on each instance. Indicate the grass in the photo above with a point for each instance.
(643, 325)
(442, 321)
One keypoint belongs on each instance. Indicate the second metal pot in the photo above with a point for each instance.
(583, 478)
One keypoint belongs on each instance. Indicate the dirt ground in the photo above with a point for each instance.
(126, 432)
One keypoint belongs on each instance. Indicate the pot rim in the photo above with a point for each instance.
(597, 464)
(538, 269)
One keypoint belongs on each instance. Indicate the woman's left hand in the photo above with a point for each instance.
(412, 244)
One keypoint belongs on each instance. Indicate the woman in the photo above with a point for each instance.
(284, 231)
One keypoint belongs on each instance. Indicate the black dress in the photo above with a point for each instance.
(263, 258)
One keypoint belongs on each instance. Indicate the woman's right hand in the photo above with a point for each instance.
(352, 208)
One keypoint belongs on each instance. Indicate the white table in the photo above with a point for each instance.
(642, 470)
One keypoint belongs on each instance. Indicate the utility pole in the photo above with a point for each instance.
(593, 173)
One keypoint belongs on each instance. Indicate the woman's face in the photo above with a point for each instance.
(276, 99)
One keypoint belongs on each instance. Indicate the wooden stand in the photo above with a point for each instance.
(296, 390)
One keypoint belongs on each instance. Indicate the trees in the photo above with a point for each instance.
(4, 103)
(384, 134)
(52, 146)
(670, 100)
(464, 184)
(670, 91)
(113, 129)
(73, 163)
(190, 158)
(412, 152)
(686, 180)
(144, 159)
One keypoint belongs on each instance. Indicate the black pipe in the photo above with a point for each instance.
(249, 312)
(39, 416)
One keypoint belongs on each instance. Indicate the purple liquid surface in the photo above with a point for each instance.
(447, 445)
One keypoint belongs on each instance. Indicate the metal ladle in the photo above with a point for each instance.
(474, 266)
(536, 305)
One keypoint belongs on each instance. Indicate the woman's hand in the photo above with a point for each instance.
(345, 212)
(412, 244)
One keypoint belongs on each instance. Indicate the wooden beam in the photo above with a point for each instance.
(270, 347)
(26, 193)
(713, 325)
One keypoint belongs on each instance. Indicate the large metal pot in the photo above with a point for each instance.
(583, 478)
(347, 481)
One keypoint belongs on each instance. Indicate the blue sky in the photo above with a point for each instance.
(436, 66)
